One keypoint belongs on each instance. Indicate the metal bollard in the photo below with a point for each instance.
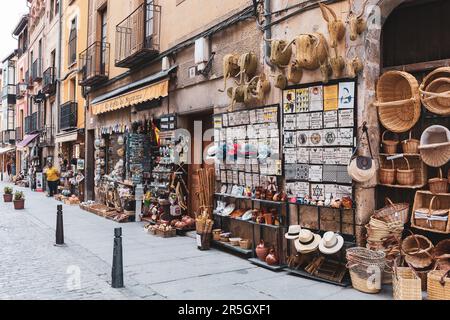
(59, 226)
(117, 265)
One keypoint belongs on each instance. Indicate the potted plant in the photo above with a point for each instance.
(19, 200)
(8, 194)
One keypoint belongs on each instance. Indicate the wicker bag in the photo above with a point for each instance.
(431, 219)
(410, 146)
(389, 146)
(438, 285)
(387, 176)
(438, 185)
(399, 106)
(393, 212)
(405, 177)
(436, 96)
(406, 283)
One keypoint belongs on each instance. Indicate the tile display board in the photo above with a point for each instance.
(318, 138)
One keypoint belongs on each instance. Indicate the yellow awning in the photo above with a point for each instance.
(154, 91)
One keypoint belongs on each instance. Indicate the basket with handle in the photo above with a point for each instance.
(387, 176)
(405, 177)
(438, 286)
(430, 219)
(436, 96)
(406, 283)
(410, 146)
(398, 101)
(439, 184)
(417, 250)
(389, 146)
(393, 212)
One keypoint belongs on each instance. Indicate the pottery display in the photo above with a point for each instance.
(262, 251)
(271, 258)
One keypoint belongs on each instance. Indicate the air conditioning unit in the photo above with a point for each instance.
(165, 64)
(201, 50)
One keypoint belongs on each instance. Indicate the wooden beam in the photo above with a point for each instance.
(421, 66)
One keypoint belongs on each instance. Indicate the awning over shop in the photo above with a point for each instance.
(7, 149)
(148, 93)
(67, 137)
(26, 141)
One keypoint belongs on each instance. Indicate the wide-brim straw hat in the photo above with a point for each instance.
(435, 146)
(418, 251)
(307, 241)
(293, 232)
(331, 243)
(361, 174)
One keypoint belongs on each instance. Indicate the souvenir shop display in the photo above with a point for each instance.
(204, 220)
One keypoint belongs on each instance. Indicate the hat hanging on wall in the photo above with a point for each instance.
(307, 241)
(211, 153)
(293, 232)
(331, 243)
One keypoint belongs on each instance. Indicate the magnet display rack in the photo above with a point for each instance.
(349, 239)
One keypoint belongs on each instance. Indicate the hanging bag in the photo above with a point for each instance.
(362, 168)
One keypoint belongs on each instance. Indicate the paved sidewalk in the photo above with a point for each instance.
(155, 268)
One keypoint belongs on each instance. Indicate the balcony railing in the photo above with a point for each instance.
(9, 90)
(21, 90)
(8, 137)
(33, 123)
(48, 81)
(19, 134)
(138, 36)
(36, 70)
(46, 138)
(68, 116)
(94, 63)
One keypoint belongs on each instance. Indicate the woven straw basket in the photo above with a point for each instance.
(417, 251)
(410, 145)
(428, 220)
(387, 176)
(438, 286)
(435, 146)
(405, 177)
(398, 101)
(435, 91)
(439, 184)
(389, 146)
(407, 285)
(393, 212)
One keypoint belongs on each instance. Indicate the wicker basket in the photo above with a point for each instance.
(393, 212)
(360, 277)
(389, 146)
(435, 146)
(436, 96)
(245, 244)
(438, 185)
(410, 145)
(399, 106)
(407, 285)
(405, 177)
(431, 219)
(417, 250)
(422, 202)
(438, 285)
(443, 72)
(216, 234)
(387, 176)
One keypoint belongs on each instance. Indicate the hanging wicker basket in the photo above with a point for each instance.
(387, 176)
(389, 146)
(436, 97)
(405, 177)
(410, 145)
(439, 184)
(438, 285)
(435, 146)
(398, 102)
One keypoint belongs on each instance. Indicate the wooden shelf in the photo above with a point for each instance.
(345, 282)
(225, 195)
(404, 154)
(263, 264)
(251, 222)
(402, 187)
(237, 249)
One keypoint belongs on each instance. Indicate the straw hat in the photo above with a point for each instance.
(331, 243)
(361, 169)
(307, 241)
(293, 232)
(417, 250)
(212, 152)
(435, 146)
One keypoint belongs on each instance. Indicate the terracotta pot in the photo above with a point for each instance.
(19, 204)
(8, 197)
(271, 258)
(268, 218)
(262, 251)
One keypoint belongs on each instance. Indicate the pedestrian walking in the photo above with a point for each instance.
(52, 175)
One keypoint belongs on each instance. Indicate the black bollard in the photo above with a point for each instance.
(117, 265)
(59, 226)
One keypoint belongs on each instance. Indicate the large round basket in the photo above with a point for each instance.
(398, 101)
(435, 146)
(443, 72)
(393, 212)
(418, 251)
(436, 97)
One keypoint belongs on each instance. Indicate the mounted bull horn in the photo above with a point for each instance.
(281, 53)
(312, 50)
(243, 93)
(356, 22)
(230, 68)
(355, 66)
(336, 27)
(295, 73)
(262, 87)
(248, 63)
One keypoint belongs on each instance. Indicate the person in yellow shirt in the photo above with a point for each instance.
(52, 179)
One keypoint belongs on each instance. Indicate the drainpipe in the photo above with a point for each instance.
(58, 81)
(267, 32)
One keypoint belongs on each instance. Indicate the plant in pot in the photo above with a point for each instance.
(8, 194)
(19, 200)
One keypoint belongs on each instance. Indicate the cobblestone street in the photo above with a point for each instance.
(33, 268)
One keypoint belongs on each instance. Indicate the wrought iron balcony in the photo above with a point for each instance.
(138, 36)
(19, 134)
(48, 82)
(36, 70)
(94, 63)
(47, 138)
(32, 123)
(68, 116)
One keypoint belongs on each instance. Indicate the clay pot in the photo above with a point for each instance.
(262, 251)
(268, 218)
(271, 258)
(277, 197)
(347, 203)
(269, 195)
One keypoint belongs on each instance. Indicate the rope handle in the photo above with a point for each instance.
(410, 138)
(383, 140)
(398, 103)
(446, 274)
(407, 163)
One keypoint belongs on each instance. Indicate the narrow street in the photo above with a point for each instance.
(33, 268)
